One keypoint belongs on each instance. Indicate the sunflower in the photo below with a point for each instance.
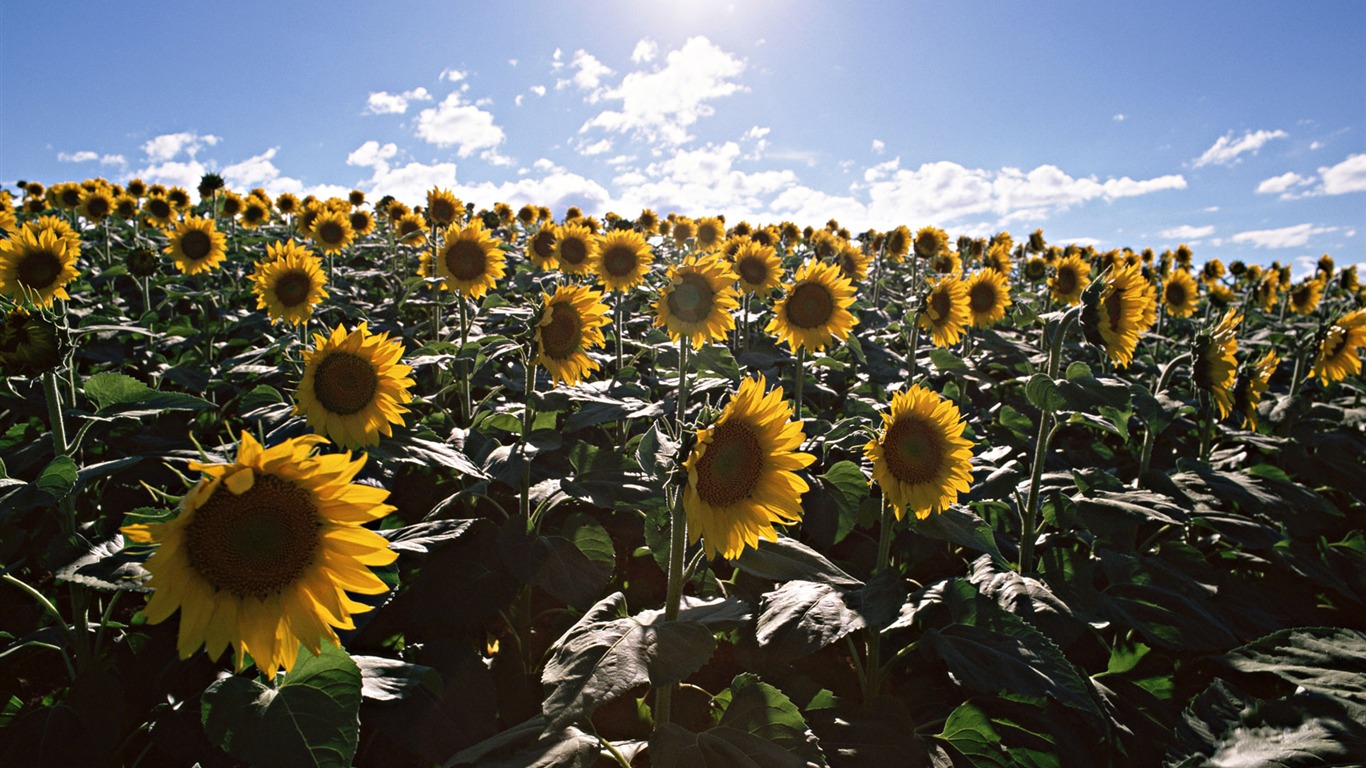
(570, 325)
(853, 262)
(1267, 289)
(1211, 271)
(998, 258)
(469, 259)
(815, 309)
(945, 313)
(623, 259)
(682, 231)
(197, 246)
(921, 459)
(126, 207)
(36, 265)
(61, 229)
(988, 296)
(443, 209)
(356, 198)
(709, 233)
(758, 267)
(136, 187)
(946, 263)
(541, 248)
(1252, 382)
(96, 205)
(1117, 314)
(742, 472)
(1180, 294)
(1339, 353)
(647, 223)
(1035, 268)
(289, 283)
(930, 242)
(331, 231)
(362, 222)
(158, 210)
(898, 243)
(287, 204)
(410, 229)
(354, 386)
(255, 212)
(29, 344)
(1304, 298)
(231, 205)
(1216, 363)
(575, 248)
(697, 300)
(263, 552)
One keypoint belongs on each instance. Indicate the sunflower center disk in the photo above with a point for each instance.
(914, 451)
(1114, 309)
(810, 305)
(293, 288)
(159, 208)
(466, 260)
(255, 544)
(442, 211)
(940, 304)
(39, 269)
(729, 471)
(982, 298)
(330, 232)
(753, 271)
(1066, 281)
(196, 244)
(1176, 294)
(573, 251)
(543, 244)
(691, 299)
(560, 337)
(345, 383)
(619, 261)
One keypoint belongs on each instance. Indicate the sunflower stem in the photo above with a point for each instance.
(60, 446)
(1029, 524)
(527, 414)
(912, 342)
(466, 409)
(616, 326)
(50, 610)
(872, 675)
(678, 533)
(1295, 376)
(682, 381)
(1206, 427)
(1150, 432)
(798, 375)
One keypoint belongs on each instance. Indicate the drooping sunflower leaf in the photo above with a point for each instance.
(125, 395)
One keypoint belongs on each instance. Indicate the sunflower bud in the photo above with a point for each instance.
(29, 344)
(141, 262)
(209, 183)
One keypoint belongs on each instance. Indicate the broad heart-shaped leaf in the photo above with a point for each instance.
(106, 566)
(1043, 393)
(573, 566)
(758, 708)
(968, 730)
(391, 680)
(1328, 660)
(312, 718)
(787, 559)
(602, 657)
(529, 745)
(802, 617)
(422, 538)
(947, 361)
(657, 453)
(989, 650)
(58, 477)
(959, 525)
(673, 746)
(117, 393)
(1028, 598)
(1224, 726)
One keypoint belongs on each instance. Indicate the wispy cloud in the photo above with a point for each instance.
(1284, 237)
(385, 103)
(87, 156)
(1186, 232)
(1347, 176)
(168, 145)
(1227, 149)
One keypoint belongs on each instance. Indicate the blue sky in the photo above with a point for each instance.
(1236, 127)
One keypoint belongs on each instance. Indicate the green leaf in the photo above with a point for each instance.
(959, 525)
(530, 745)
(574, 565)
(312, 718)
(802, 617)
(1226, 726)
(947, 361)
(1078, 370)
(657, 453)
(849, 483)
(117, 393)
(393, 680)
(107, 566)
(603, 656)
(1328, 660)
(968, 730)
(58, 477)
(673, 746)
(787, 559)
(760, 709)
(1043, 393)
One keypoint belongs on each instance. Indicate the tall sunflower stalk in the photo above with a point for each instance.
(1048, 428)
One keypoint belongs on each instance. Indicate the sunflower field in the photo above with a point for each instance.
(303, 482)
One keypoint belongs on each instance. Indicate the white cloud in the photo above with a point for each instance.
(879, 146)
(260, 171)
(1347, 176)
(1315, 145)
(384, 103)
(451, 75)
(455, 123)
(597, 148)
(1227, 149)
(168, 145)
(1281, 185)
(662, 104)
(539, 90)
(588, 76)
(645, 50)
(174, 173)
(1285, 237)
(84, 156)
(1186, 232)
(517, 100)
(1119, 117)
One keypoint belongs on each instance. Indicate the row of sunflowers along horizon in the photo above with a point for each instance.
(750, 366)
